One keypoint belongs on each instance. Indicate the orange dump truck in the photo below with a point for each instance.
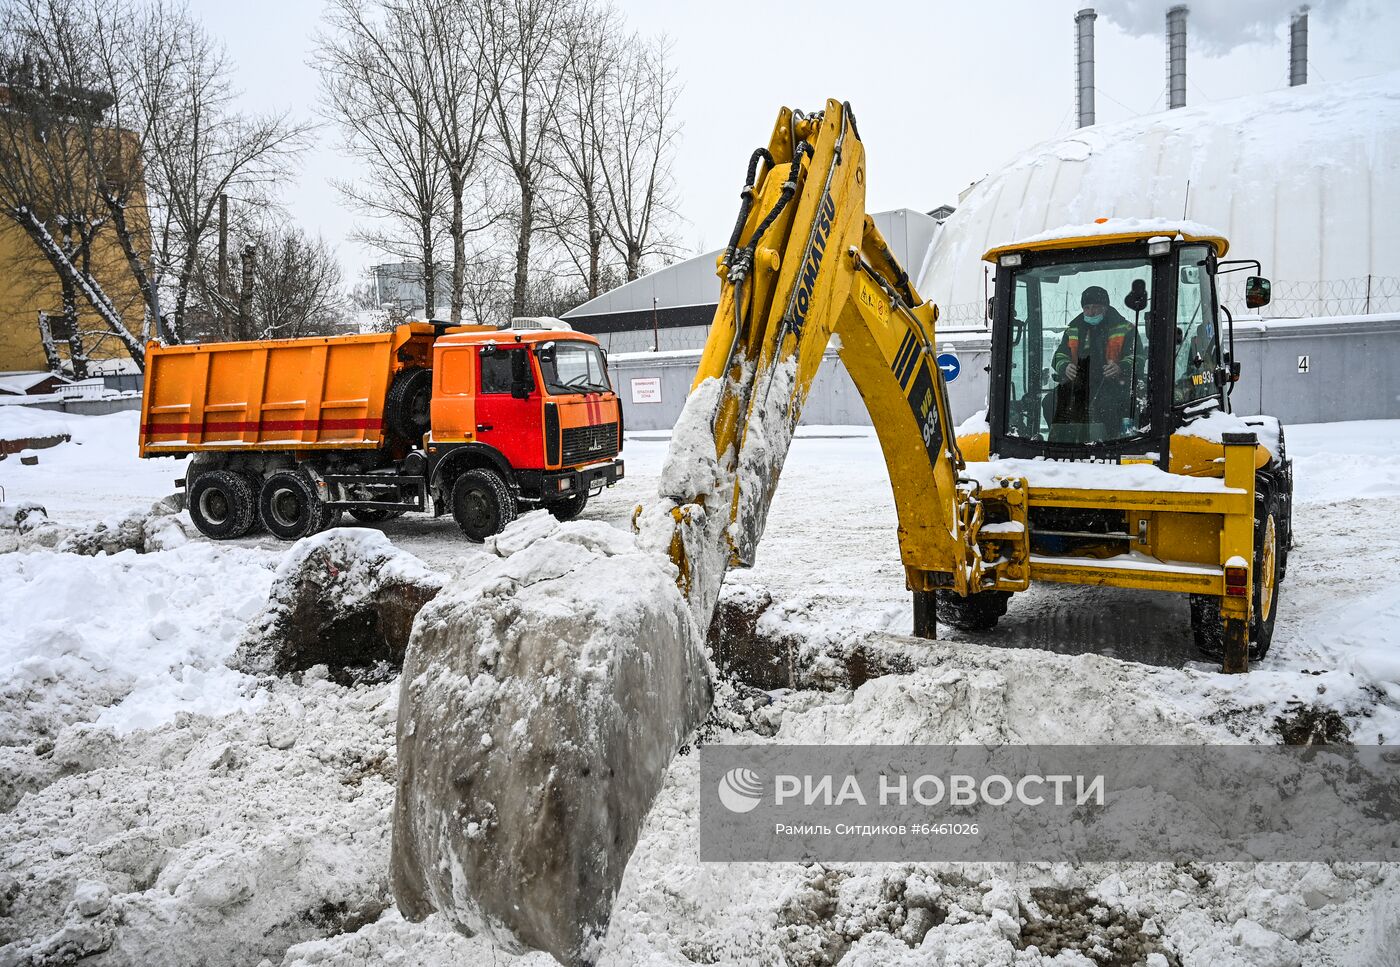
(477, 421)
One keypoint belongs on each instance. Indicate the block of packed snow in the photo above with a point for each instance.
(543, 696)
(345, 598)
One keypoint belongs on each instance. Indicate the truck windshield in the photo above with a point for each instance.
(573, 366)
(1078, 345)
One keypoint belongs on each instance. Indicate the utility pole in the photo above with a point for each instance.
(245, 291)
(655, 329)
(222, 281)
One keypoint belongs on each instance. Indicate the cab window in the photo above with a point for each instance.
(1079, 360)
(1197, 355)
(497, 370)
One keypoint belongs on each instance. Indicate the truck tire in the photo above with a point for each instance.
(408, 404)
(570, 508)
(976, 612)
(290, 508)
(482, 504)
(1206, 626)
(221, 504)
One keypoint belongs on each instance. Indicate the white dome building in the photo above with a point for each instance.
(1306, 180)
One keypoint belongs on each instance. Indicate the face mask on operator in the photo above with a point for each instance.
(1094, 313)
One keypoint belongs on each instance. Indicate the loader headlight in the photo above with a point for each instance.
(1159, 246)
(1010, 261)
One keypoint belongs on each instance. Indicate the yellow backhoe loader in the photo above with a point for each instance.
(1108, 455)
(540, 708)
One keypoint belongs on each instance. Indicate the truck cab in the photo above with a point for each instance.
(531, 404)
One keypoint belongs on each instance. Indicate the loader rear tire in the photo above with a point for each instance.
(290, 508)
(976, 612)
(482, 504)
(222, 504)
(408, 405)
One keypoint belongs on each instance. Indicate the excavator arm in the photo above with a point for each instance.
(806, 263)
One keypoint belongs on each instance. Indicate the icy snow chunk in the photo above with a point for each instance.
(1264, 947)
(541, 701)
(344, 598)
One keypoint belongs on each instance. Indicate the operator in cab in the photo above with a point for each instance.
(1094, 368)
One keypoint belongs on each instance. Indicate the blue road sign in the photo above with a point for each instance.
(948, 363)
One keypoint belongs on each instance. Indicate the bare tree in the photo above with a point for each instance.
(297, 286)
(641, 134)
(525, 45)
(584, 128)
(377, 86)
(197, 148)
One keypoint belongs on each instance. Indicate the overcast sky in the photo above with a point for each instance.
(944, 92)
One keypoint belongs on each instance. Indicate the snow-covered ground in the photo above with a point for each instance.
(168, 810)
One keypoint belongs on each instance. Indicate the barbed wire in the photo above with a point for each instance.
(1291, 299)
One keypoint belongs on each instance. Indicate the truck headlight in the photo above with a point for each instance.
(565, 483)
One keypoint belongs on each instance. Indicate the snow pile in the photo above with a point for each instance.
(29, 423)
(126, 641)
(1104, 476)
(216, 841)
(543, 695)
(97, 471)
(345, 598)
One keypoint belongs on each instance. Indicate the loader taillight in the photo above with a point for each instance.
(1236, 580)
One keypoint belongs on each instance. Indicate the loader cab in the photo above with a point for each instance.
(1103, 345)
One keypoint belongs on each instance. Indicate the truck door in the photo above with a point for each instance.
(508, 406)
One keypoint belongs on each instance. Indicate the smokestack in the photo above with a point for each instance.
(1084, 51)
(1176, 56)
(1298, 48)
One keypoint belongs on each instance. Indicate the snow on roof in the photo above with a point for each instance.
(1288, 176)
(1168, 227)
(21, 383)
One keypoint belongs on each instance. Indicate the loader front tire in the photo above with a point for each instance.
(290, 508)
(222, 504)
(1206, 626)
(976, 612)
(482, 504)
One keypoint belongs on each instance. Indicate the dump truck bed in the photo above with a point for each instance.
(285, 394)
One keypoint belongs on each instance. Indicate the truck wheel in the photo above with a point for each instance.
(482, 504)
(408, 405)
(1206, 626)
(289, 507)
(374, 515)
(571, 508)
(221, 504)
(976, 612)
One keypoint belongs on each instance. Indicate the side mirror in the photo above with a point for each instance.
(991, 304)
(1256, 291)
(1136, 298)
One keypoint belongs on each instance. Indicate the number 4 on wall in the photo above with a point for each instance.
(1304, 364)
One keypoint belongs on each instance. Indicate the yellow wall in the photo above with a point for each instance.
(29, 285)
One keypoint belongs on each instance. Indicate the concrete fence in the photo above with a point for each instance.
(1300, 370)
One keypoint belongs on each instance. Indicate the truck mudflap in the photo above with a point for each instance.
(558, 485)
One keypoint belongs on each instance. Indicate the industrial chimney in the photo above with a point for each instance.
(1176, 56)
(1298, 48)
(1084, 51)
